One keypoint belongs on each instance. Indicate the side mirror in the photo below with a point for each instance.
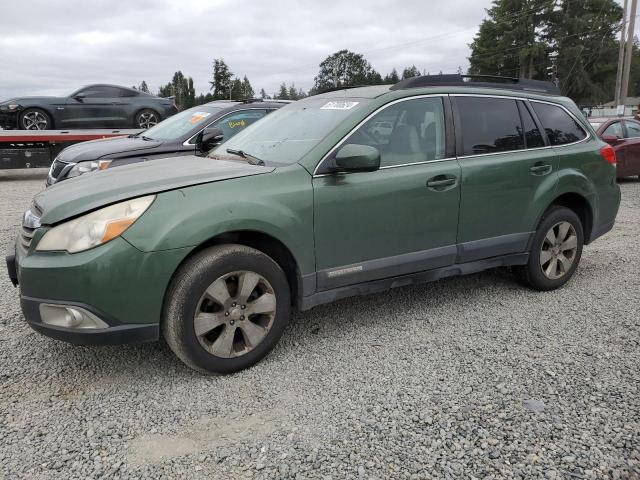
(610, 139)
(357, 158)
(209, 138)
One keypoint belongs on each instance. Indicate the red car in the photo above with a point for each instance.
(623, 134)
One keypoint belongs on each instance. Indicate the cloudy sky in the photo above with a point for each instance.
(53, 46)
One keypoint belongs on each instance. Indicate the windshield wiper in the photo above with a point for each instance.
(247, 156)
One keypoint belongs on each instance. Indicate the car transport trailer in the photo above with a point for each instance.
(38, 148)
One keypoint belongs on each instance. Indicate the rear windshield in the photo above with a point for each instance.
(288, 134)
(181, 123)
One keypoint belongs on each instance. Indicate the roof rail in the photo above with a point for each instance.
(491, 81)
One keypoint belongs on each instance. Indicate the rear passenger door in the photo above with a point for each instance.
(507, 172)
(632, 159)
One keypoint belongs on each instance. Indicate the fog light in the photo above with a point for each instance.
(69, 317)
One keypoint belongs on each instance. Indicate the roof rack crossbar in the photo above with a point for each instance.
(492, 81)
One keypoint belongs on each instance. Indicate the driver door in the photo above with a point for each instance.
(93, 107)
(399, 219)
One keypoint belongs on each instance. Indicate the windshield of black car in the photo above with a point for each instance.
(289, 133)
(181, 123)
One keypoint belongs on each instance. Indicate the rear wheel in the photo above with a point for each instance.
(556, 250)
(146, 118)
(226, 308)
(34, 119)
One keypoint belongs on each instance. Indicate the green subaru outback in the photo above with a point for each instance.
(315, 203)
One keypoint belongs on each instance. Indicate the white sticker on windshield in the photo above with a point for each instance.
(339, 105)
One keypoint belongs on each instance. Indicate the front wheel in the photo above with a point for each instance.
(146, 118)
(225, 309)
(556, 250)
(34, 119)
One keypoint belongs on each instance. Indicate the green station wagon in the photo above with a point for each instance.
(315, 203)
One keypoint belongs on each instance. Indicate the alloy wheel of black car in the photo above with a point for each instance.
(34, 119)
(146, 119)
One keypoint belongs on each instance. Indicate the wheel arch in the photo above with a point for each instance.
(265, 243)
(45, 108)
(581, 206)
(140, 108)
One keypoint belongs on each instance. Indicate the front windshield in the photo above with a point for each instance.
(181, 123)
(289, 133)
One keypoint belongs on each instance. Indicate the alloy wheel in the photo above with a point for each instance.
(558, 251)
(34, 121)
(235, 314)
(147, 120)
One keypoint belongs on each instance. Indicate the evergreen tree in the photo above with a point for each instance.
(392, 77)
(292, 93)
(301, 94)
(512, 41)
(341, 69)
(263, 94)
(411, 71)
(584, 36)
(247, 89)
(236, 89)
(284, 93)
(143, 87)
(181, 88)
(221, 83)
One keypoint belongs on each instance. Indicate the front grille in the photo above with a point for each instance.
(56, 168)
(26, 235)
(30, 222)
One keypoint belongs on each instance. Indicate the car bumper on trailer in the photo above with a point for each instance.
(8, 120)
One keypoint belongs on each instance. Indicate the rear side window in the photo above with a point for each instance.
(489, 125)
(633, 129)
(614, 129)
(128, 93)
(561, 127)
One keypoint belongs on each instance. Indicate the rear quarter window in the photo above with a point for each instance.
(561, 128)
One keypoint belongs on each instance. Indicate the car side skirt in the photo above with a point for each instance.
(376, 286)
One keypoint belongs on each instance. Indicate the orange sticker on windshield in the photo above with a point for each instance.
(197, 117)
(239, 123)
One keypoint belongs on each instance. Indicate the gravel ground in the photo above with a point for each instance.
(473, 377)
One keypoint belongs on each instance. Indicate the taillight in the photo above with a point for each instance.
(609, 154)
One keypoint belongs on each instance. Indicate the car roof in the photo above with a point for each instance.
(140, 92)
(372, 91)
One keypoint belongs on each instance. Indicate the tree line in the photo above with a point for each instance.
(570, 42)
(343, 68)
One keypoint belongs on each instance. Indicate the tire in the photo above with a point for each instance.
(540, 273)
(193, 304)
(34, 119)
(146, 118)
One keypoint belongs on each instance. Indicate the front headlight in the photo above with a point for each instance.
(95, 228)
(86, 167)
(11, 107)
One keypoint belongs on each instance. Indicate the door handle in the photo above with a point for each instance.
(541, 169)
(441, 181)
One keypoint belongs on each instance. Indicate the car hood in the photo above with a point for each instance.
(19, 100)
(100, 148)
(93, 190)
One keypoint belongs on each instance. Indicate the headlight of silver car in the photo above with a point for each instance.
(86, 167)
(95, 228)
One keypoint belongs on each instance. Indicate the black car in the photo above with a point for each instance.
(191, 132)
(94, 106)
